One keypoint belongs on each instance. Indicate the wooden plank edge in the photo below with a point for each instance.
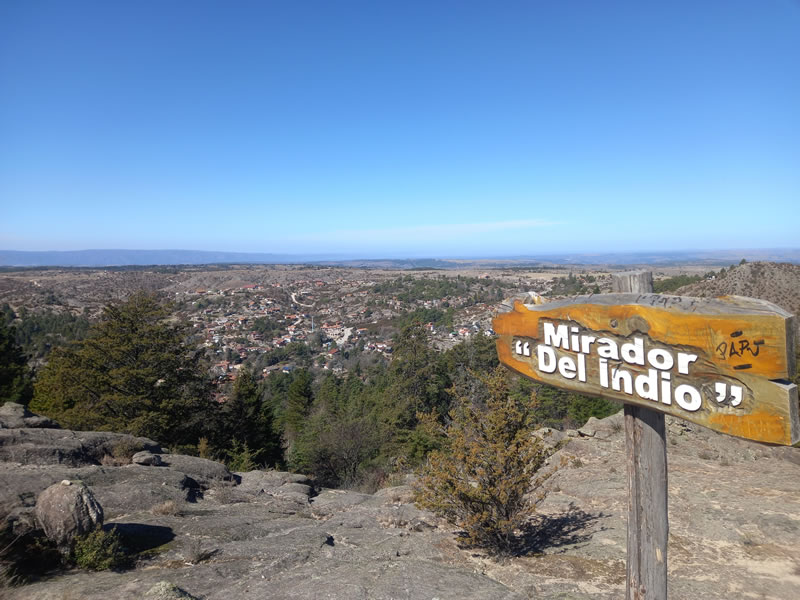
(781, 428)
(732, 305)
(781, 365)
(794, 411)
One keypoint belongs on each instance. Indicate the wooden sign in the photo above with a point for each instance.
(724, 363)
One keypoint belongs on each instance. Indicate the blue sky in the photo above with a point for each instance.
(400, 128)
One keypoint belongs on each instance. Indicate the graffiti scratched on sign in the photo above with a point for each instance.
(724, 363)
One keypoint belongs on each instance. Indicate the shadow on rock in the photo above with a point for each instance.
(546, 532)
(138, 537)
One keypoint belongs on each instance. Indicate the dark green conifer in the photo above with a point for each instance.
(15, 379)
(134, 373)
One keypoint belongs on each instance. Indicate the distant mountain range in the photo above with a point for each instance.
(111, 258)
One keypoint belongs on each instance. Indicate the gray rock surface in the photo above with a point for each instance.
(17, 416)
(147, 458)
(734, 521)
(120, 490)
(66, 510)
(133, 488)
(62, 446)
(165, 590)
(202, 470)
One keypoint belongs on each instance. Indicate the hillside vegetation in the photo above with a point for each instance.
(775, 282)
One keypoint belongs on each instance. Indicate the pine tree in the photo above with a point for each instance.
(418, 379)
(134, 373)
(15, 380)
(245, 420)
(299, 398)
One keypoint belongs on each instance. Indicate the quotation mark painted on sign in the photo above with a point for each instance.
(735, 397)
(523, 348)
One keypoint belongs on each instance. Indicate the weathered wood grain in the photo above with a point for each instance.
(760, 362)
(648, 523)
(646, 465)
(678, 321)
(638, 282)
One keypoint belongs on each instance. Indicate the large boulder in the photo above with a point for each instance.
(66, 510)
(17, 416)
(147, 459)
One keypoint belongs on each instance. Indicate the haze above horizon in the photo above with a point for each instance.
(389, 129)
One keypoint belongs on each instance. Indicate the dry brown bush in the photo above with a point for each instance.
(113, 461)
(166, 508)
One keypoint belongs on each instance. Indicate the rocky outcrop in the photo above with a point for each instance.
(67, 510)
(204, 471)
(147, 459)
(734, 514)
(71, 448)
(16, 416)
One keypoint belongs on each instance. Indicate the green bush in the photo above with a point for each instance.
(483, 479)
(670, 284)
(124, 449)
(99, 551)
(240, 458)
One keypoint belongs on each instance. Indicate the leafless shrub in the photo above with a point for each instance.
(167, 508)
(112, 461)
(194, 553)
(225, 493)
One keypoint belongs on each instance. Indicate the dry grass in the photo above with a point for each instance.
(167, 508)
(194, 552)
(113, 461)
(124, 450)
(225, 492)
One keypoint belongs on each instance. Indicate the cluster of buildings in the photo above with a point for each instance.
(244, 324)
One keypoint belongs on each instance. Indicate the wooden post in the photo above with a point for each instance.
(646, 451)
(732, 357)
(634, 282)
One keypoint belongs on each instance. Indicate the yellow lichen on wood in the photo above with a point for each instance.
(733, 348)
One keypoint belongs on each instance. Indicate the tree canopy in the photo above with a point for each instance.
(133, 373)
(15, 382)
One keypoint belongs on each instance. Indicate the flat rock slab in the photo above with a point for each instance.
(62, 446)
(734, 521)
(330, 502)
(204, 471)
(259, 482)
